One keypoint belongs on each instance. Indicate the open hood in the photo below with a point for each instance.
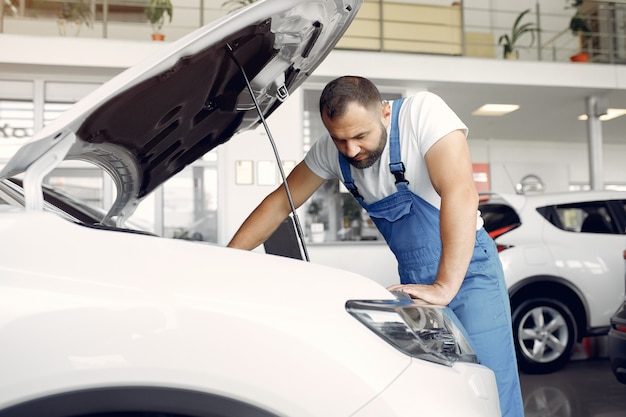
(154, 119)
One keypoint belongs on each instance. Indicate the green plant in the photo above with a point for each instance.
(233, 5)
(351, 209)
(578, 23)
(518, 30)
(156, 12)
(314, 208)
(78, 11)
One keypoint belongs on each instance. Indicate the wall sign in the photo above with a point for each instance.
(244, 172)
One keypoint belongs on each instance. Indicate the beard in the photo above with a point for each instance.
(372, 156)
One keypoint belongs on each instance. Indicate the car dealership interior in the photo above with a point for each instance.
(562, 128)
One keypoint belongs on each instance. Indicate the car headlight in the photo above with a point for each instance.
(422, 331)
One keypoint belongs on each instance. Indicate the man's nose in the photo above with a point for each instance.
(352, 149)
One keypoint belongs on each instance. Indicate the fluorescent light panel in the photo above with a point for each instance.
(610, 114)
(495, 109)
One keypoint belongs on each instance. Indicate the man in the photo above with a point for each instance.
(408, 164)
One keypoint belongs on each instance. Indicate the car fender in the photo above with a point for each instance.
(555, 287)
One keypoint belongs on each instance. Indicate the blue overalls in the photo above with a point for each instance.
(410, 225)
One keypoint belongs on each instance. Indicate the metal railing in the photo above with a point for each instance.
(396, 26)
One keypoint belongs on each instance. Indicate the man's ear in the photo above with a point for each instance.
(386, 113)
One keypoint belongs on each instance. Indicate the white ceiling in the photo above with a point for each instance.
(545, 113)
(551, 94)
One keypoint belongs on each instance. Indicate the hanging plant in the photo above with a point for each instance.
(579, 27)
(156, 13)
(509, 41)
(72, 15)
(76, 11)
(578, 23)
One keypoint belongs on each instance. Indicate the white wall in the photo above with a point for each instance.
(239, 200)
(510, 161)
(558, 164)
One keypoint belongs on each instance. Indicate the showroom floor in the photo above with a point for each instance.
(584, 388)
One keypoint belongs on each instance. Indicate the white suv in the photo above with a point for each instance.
(96, 321)
(563, 260)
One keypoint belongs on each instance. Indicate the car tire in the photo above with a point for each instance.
(544, 331)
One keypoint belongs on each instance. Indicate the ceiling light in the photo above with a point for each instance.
(495, 109)
(610, 114)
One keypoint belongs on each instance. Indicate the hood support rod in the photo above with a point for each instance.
(276, 154)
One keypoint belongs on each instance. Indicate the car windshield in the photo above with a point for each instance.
(61, 203)
(70, 205)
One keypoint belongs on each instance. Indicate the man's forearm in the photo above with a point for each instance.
(260, 224)
(266, 218)
(458, 235)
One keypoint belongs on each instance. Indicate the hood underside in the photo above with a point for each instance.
(154, 119)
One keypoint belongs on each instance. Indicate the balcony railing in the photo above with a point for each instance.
(426, 26)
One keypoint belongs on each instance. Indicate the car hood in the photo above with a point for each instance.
(157, 117)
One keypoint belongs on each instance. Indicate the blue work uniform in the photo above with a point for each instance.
(410, 225)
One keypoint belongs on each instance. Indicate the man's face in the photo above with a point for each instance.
(360, 134)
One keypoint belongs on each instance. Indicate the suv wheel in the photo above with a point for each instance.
(544, 332)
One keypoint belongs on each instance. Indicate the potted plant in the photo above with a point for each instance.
(317, 227)
(580, 28)
(72, 15)
(156, 13)
(509, 41)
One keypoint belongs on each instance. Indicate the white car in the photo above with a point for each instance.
(95, 321)
(563, 260)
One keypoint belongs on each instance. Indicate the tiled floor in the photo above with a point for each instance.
(582, 389)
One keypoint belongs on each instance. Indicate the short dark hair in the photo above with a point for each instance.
(345, 90)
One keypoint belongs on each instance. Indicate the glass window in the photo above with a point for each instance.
(498, 217)
(53, 110)
(332, 214)
(185, 207)
(190, 203)
(82, 180)
(5, 196)
(17, 120)
(64, 92)
(584, 217)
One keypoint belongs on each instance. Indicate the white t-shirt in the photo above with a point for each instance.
(424, 119)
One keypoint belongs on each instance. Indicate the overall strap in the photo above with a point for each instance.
(396, 166)
(347, 179)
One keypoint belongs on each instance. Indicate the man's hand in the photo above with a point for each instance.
(432, 294)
